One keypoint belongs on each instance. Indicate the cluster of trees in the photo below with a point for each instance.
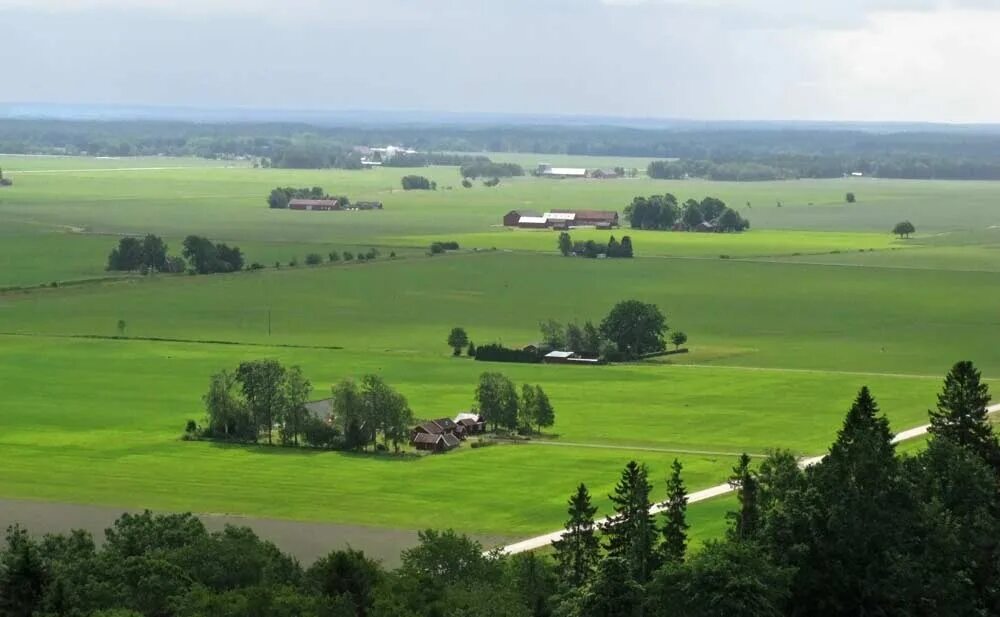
(440, 247)
(630, 330)
(592, 249)
(866, 531)
(501, 406)
(663, 212)
(147, 255)
(281, 195)
(863, 532)
(244, 404)
(370, 410)
(207, 257)
(903, 229)
(418, 183)
(486, 168)
(248, 404)
(5, 181)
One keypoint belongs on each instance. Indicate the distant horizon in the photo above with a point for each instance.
(261, 114)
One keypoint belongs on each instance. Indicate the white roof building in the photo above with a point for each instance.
(560, 354)
(560, 216)
(574, 172)
(531, 220)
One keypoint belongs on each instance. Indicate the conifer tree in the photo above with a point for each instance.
(631, 531)
(675, 524)
(961, 414)
(746, 522)
(578, 550)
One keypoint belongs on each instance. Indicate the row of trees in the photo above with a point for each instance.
(662, 212)
(280, 196)
(500, 405)
(149, 255)
(146, 255)
(592, 250)
(866, 531)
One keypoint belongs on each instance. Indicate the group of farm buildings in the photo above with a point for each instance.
(561, 219)
(438, 435)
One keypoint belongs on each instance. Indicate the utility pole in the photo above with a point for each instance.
(269, 321)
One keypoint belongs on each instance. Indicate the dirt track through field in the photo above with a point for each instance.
(305, 541)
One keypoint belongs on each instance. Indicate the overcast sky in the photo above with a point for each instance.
(933, 60)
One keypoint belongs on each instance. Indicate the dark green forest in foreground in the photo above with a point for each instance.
(866, 531)
(722, 152)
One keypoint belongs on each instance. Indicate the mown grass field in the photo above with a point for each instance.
(815, 301)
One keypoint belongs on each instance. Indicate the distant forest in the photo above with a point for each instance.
(720, 153)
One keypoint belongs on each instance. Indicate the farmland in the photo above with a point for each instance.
(786, 322)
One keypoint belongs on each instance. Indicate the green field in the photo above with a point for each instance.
(785, 322)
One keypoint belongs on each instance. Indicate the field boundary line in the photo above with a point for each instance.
(572, 444)
(703, 495)
(161, 339)
(809, 370)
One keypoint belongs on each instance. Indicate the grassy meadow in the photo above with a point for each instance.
(785, 321)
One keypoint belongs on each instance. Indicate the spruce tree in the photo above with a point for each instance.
(578, 551)
(631, 531)
(857, 523)
(961, 414)
(614, 592)
(675, 524)
(745, 523)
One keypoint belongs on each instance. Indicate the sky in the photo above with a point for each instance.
(866, 60)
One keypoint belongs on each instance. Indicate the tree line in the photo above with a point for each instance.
(748, 152)
(663, 212)
(150, 255)
(486, 168)
(592, 250)
(866, 531)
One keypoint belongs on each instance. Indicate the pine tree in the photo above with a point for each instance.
(675, 524)
(578, 551)
(746, 522)
(631, 532)
(614, 591)
(961, 414)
